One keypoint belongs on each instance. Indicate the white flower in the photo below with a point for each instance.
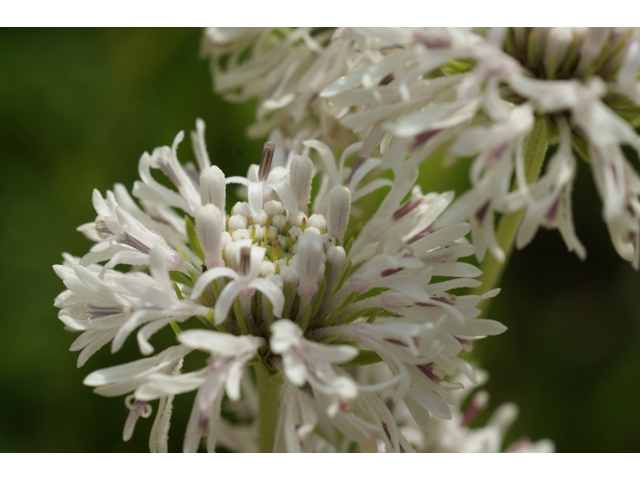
(116, 381)
(244, 284)
(262, 179)
(305, 361)
(156, 305)
(286, 76)
(110, 309)
(124, 239)
(166, 159)
(424, 92)
(223, 373)
(276, 259)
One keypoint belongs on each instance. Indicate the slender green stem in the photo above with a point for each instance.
(535, 149)
(239, 317)
(268, 398)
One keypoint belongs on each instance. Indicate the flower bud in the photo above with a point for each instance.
(209, 227)
(300, 177)
(336, 257)
(310, 264)
(593, 42)
(558, 43)
(212, 187)
(338, 211)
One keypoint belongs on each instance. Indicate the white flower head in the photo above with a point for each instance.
(277, 285)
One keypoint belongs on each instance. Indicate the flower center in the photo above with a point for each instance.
(564, 53)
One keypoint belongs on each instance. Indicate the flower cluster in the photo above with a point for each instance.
(282, 287)
(286, 69)
(489, 94)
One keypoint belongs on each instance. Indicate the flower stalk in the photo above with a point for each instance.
(535, 149)
(268, 398)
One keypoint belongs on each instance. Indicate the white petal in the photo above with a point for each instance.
(225, 301)
(272, 292)
(207, 277)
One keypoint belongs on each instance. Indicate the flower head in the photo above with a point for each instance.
(302, 290)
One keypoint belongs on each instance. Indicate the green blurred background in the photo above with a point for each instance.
(77, 109)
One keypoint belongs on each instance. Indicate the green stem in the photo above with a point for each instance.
(269, 399)
(535, 148)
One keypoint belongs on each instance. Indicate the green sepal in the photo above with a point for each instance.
(176, 329)
(319, 297)
(288, 300)
(220, 328)
(343, 277)
(177, 290)
(304, 323)
(581, 147)
(269, 314)
(194, 241)
(347, 247)
(340, 308)
(180, 277)
(184, 255)
(329, 339)
(375, 315)
(239, 317)
(361, 313)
